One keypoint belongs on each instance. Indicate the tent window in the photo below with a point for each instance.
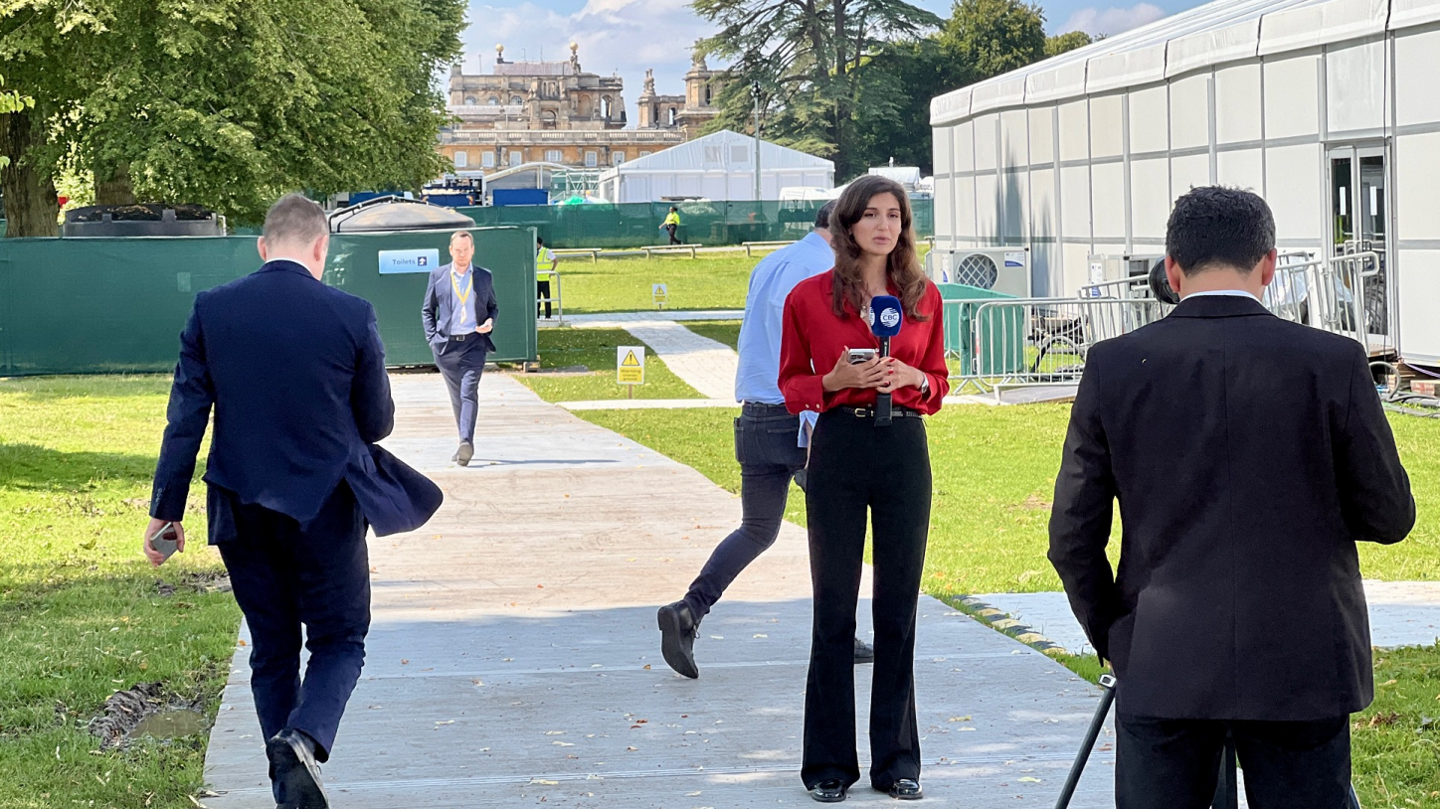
(739, 153)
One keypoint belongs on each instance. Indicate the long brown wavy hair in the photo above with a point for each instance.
(902, 267)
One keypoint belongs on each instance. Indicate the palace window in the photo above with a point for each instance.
(470, 100)
(616, 158)
(494, 101)
(517, 157)
(554, 156)
(591, 160)
(516, 100)
(487, 160)
(461, 160)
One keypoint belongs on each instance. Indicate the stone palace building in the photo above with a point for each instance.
(554, 112)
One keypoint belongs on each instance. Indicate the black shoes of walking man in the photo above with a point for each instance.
(294, 773)
(678, 630)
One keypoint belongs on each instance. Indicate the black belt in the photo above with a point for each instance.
(869, 412)
(459, 338)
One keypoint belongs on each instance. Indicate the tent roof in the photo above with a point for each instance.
(1218, 32)
(718, 152)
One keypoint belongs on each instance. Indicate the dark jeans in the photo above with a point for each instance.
(462, 364)
(857, 467)
(286, 575)
(1174, 763)
(542, 292)
(765, 446)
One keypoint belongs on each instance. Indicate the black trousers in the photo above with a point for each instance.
(857, 467)
(461, 364)
(1174, 763)
(765, 446)
(542, 293)
(287, 575)
(670, 229)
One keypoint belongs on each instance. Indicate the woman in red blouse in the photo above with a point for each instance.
(857, 466)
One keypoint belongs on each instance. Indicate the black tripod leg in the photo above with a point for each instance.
(1227, 791)
(1107, 696)
(1354, 799)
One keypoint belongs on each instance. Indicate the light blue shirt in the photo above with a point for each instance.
(1222, 293)
(462, 318)
(757, 378)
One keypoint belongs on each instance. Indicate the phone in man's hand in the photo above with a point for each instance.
(859, 355)
(166, 540)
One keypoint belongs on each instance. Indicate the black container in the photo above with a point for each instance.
(141, 220)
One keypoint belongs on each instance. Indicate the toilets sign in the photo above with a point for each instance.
(400, 261)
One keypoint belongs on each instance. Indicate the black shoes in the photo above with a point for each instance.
(678, 628)
(464, 453)
(905, 789)
(864, 652)
(832, 791)
(294, 773)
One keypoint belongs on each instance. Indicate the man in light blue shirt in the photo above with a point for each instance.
(766, 442)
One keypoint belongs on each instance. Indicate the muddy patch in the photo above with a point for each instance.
(148, 711)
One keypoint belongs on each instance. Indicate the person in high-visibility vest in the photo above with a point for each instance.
(545, 264)
(671, 224)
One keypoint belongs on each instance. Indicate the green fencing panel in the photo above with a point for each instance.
(79, 306)
(988, 343)
(508, 253)
(106, 305)
(713, 224)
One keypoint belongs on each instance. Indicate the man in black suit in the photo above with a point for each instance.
(1249, 455)
(295, 372)
(457, 295)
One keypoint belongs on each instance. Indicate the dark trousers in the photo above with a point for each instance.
(670, 229)
(1174, 763)
(765, 446)
(855, 466)
(543, 293)
(287, 575)
(461, 364)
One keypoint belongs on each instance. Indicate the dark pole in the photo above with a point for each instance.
(1107, 696)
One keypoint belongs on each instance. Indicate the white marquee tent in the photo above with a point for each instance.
(1328, 108)
(720, 166)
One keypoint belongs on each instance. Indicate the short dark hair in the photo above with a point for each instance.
(822, 216)
(1217, 227)
(539, 241)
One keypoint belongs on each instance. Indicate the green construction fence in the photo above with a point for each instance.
(989, 342)
(99, 305)
(713, 224)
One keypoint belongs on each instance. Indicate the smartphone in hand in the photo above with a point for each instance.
(165, 540)
(859, 355)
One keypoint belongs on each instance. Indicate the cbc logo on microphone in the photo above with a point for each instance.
(889, 317)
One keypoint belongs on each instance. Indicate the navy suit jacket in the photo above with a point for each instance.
(440, 303)
(295, 372)
(1248, 455)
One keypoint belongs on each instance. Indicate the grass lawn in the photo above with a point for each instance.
(623, 284)
(594, 351)
(721, 331)
(81, 612)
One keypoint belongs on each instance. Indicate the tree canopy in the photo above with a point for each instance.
(224, 103)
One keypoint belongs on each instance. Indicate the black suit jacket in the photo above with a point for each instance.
(295, 372)
(440, 303)
(1248, 455)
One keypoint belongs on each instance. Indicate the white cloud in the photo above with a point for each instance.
(615, 36)
(1111, 20)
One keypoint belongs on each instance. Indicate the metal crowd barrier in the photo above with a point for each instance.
(997, 344)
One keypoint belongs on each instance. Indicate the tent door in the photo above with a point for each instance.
(1360, 213)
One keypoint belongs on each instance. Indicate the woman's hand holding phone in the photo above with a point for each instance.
(868, 374)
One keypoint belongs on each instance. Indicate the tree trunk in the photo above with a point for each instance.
(30, 203)
(116, 190)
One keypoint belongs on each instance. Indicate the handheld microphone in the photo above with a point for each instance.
(886, 317)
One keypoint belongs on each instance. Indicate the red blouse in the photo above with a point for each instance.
(814, 338)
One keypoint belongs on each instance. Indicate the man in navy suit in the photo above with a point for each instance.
(1248, 455)
(458, 294)
(295, 373)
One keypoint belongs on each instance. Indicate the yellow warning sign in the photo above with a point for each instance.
(630, 365)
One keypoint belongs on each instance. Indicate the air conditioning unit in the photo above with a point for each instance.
(1003, 269)
(1120, 275)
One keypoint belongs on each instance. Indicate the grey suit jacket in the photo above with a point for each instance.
(440, 304)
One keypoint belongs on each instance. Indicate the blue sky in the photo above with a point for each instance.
(629, 36)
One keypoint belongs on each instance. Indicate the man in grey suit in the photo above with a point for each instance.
(455, 300)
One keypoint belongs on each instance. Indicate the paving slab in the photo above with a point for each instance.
(616, 320)
(649, 404)
(514, 658)
(1401, 614)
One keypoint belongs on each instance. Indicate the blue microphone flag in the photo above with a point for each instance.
(886, 316)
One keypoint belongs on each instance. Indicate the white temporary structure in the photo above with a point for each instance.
(1328, 108)
(720, 166)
